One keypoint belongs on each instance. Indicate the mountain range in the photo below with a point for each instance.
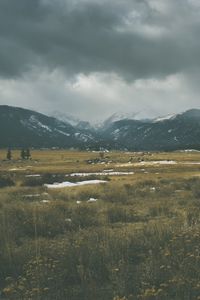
(26, 128)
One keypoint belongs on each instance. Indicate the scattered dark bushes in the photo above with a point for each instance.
(6, 181)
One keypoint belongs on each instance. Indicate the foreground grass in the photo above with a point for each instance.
(139, 240)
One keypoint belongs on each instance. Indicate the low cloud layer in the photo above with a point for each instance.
(89, 57)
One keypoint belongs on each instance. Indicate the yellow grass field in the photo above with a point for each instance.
(134, 236)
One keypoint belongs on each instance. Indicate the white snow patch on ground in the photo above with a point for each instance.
(71, 184)
(165, 162)
(189, 150)
(152, 189)
(159, 162)
(125, 165)
(148, 163)
(32, 195)
(17, 169)
(91, 200)
(68, 220)
(45, 201)
(33, 175)
(116, 173)
(191, 163)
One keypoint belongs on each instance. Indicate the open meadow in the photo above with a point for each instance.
(132, 232)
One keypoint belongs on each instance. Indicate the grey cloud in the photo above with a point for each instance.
(91, 36)
(82, 56)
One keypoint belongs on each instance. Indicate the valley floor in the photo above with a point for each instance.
(132, 233)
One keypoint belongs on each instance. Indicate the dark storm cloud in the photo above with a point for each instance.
(136, 39)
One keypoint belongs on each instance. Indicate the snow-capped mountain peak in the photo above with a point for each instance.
(67, 118)
(164, 118)
(118, 116)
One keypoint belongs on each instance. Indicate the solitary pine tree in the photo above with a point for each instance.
(23, 154)
(28, 154)
(9, 155)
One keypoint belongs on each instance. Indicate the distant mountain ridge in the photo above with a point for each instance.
(26, 128)
(181, 131)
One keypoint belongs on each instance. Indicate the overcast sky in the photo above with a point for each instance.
(91, 58)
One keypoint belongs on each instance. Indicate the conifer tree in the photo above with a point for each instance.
(27, 153)
(9, 154)
(23, 154)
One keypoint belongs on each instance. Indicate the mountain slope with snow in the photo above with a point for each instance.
(26, 128)
(181, 131)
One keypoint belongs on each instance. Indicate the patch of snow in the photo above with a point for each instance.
(92, 200)
(44, 126)
(116, 134)
(125, 165)
(78, 202)
(191, 163)
(65, 118)
(32, 195)
(45, 201)
(62, 132)
(70, 184)
(68, 220)
(152, 189)
(83, 137)
(17, 169)
(159, 162)
(165, 162)
(110, 173)
(36, 122)
(189, 150)
(147, 130)
(116, 131)
(119, 116)
(161, 119)
(33, 175)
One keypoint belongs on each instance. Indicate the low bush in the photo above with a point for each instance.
(6, 181)
(116, 213)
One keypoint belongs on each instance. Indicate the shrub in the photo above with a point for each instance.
(85, 216)
(120, 214)
(6, 181)
(45, 178)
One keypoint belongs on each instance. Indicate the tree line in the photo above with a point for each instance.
(24, 154)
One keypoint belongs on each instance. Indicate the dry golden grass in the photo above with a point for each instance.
(139, 240)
